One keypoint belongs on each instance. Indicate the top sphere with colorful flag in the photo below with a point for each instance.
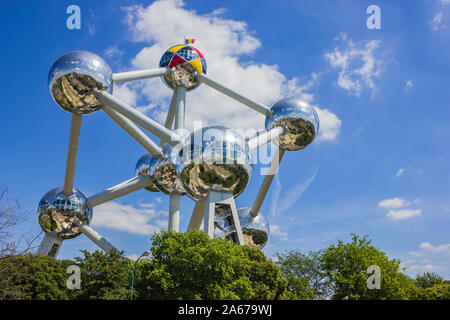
(184, 61)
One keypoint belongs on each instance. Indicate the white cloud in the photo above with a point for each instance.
(409, 84)
(357, 65)
(426, 268)
(113, 52)
(400, 172)
(393, 203)
(403, 214)
(276, 231)
(128, 218)
(125, 93)
(435, 249)
(330, 125)
(438, 21)
(416, 254)
(225, 43)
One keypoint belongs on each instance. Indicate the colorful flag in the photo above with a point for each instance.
(188, 41)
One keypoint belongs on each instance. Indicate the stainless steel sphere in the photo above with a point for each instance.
(143, 169)
(165, 173)
(185, 62)
(214, 158)
(73, 77)
(255, 230)
(300, 120)
(59, 213)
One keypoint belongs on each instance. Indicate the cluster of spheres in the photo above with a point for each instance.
(213, 158)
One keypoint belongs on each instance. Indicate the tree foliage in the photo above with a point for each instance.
(193, 266)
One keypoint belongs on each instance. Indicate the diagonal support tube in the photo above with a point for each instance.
(139, 74)
(97, 238)
(232, 94)
(138, 118)
(267, 182)
(119, 190)
(171, 113)
(75, 129)
(265, 137)
(197, 216)
(135, 132)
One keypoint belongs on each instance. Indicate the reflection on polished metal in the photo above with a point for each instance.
(214, 158)
(185, 62)
(143, 169)
(300, 120)
(255, 229)
(212, 166)
(165, 173)
(58, 212)
(73, 77)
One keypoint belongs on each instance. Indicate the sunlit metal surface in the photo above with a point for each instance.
(185, 62)
(214, 158)
(165, 173)
(59, 213)
(255, 230)
(73, 77)
(300, 120)
(143, 169)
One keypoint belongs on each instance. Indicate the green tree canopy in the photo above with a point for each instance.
(346, 265)
(194, 266)
(104, 276)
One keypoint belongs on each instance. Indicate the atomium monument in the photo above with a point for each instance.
(212, 166)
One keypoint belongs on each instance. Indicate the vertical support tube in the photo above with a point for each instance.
(267, 181)
(50, 245)
(75, 129)
(174, 206)
(179, 110)
(174, 212)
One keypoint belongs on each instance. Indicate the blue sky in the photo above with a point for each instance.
(380, 166)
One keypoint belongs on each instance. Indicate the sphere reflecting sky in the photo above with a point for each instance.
(185, 61)
(143, 169)
(73, 77)
(165, 173)
(214, 158)
(58, 213)
(255, 230)
(300, 120)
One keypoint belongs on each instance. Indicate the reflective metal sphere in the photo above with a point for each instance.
(214, 158)
(165, 173)
(143, 169)
(255, 230)
(185, 61)
(300, 120)
(73, 77)
(58, 212)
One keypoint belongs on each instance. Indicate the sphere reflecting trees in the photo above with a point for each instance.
(214, 158)
(300, 120)
(61, 214)
(143, 169)
(73, 78)
(255, 230)
(185, 61)
(165, 173)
